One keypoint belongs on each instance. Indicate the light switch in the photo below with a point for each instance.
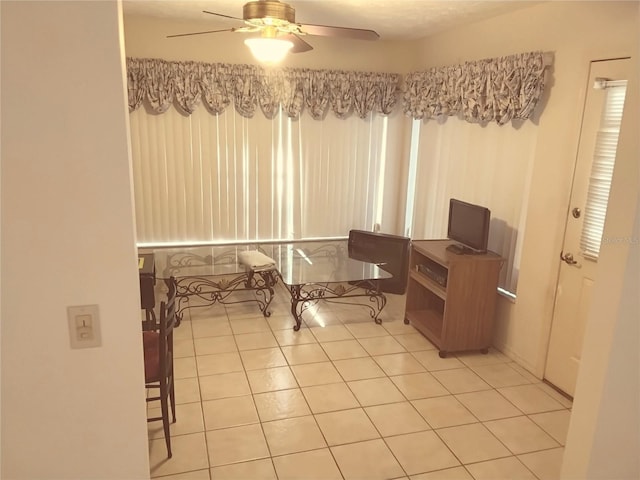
(84, 326)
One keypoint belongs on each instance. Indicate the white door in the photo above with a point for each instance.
(585, 219)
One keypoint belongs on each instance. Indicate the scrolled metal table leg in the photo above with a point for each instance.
(269, 280)
(381, 301)
(295, 301)
(296, 316)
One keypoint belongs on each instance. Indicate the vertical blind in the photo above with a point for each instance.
(604, 158)
(489, 165)
(208, 178)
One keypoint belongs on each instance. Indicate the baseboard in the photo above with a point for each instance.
(519, 360)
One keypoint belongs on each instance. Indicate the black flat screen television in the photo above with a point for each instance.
(468, 225)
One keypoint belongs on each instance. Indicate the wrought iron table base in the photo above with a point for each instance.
(214, 290)
(306, 295)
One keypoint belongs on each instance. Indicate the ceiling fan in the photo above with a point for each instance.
(275, 21)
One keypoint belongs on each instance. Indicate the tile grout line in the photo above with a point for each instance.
(387, 376)
(206, 439)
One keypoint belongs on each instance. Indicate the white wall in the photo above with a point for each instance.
(146, 38)
(603, 440)
(604, 434)
(576, 33)
(68, 239)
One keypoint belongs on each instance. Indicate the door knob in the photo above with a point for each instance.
(568, 259)
(576, 212)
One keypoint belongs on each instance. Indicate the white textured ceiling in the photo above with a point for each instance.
(392, 19)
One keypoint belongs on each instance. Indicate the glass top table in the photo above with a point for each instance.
(311, 271)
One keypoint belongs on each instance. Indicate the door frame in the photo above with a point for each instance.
(583, 102)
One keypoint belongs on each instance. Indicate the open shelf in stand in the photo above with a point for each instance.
(430, 284)
(429, 322)
(460, 316)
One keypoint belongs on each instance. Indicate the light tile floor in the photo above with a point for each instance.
(345, 398)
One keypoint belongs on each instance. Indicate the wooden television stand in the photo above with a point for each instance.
(451, 298)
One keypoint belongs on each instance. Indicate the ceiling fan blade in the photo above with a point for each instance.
(222, 15)
(342, 32)
(299, 45)
(200, 33)
(247, 29)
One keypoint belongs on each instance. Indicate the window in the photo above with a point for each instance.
(489, 165)
(207, 178)
(604, 158)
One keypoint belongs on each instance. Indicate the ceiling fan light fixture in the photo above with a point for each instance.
(274, 9)
(269, 50)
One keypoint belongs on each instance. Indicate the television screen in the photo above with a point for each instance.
(469, 225)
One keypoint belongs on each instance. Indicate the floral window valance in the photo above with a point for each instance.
(496, 89)
(161, 83)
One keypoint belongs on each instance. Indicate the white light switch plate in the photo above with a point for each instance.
(84, 326)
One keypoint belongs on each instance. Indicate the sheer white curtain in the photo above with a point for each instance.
(489, 165)
(208, 178)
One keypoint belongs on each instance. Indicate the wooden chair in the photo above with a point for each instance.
(158, 361)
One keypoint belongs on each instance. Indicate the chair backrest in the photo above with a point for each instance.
(390, 251)
(167, 323)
